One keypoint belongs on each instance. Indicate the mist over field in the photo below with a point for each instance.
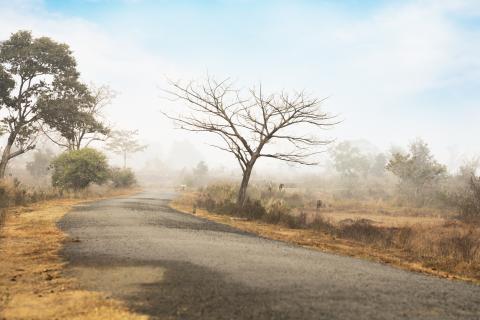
(151, 150)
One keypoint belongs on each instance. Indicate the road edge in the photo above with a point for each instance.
(32, 281)
(318, 241)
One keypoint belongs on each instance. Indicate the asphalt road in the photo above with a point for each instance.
(174, 266)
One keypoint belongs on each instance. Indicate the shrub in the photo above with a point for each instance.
(363, 231)
(462, 247)
(319, 223)
(253, 209)
(294, 222)
(275, 210)
(13, 193)
(220, 192)
(469, 201)
(218, 198)
(79, 168)
(122, 178)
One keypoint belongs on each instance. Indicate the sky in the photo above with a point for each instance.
(393, 71)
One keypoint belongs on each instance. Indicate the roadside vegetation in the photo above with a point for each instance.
(53, 132)
(53, 126)
(32, 282)
(404, 207)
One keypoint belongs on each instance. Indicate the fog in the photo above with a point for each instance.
(151, 148)
(392, 72)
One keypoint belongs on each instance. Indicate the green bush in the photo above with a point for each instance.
(122, 178)
(79, 168)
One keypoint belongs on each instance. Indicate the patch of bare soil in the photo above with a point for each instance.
(32, 285)
(323, 241)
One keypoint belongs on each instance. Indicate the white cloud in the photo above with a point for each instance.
(375, 66)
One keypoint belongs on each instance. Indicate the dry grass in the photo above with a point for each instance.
(31, 281)
(380, 219)
(430, 245)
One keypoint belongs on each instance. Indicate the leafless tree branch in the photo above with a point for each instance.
(247, 123)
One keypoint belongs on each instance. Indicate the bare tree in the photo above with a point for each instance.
(248, 124)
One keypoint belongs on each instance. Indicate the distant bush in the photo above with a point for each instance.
(39, 166)
(469, 202)
(79, 168)
(122, 178)
(418, 172)
(463, 194)
(252, 209)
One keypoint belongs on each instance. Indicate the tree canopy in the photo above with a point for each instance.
(417, 170)
(73, 111)
(77, 169)
(29, 68)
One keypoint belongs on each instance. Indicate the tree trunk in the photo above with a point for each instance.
(124, 159)
(242, 192)
(6, 155)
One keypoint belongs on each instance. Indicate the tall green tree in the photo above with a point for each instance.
(29, 67)
(349, 160)
(74, 112)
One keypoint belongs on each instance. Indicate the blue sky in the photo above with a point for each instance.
(394, 70)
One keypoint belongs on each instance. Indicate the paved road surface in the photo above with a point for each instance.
(171, 265)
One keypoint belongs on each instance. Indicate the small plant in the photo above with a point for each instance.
(79, 168)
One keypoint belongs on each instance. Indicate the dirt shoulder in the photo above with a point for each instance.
(32, 285)
(322, 241)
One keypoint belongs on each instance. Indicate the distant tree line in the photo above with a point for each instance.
(419, 179)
